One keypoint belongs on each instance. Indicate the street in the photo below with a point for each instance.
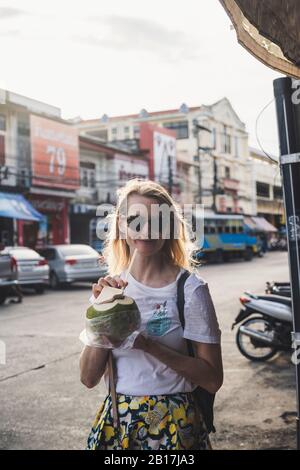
(44, 405)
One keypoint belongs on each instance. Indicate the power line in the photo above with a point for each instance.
(256, 131)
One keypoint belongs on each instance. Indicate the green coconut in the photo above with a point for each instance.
(116, 319)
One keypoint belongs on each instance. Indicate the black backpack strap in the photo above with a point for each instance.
(180, 306)
(204, 398)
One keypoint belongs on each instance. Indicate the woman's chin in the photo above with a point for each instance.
(146, 246)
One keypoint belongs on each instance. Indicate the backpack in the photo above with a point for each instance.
(204, 399)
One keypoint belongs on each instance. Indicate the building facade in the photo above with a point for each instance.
(218, 174)
(267, 188)
(39, 158)
(103, 170)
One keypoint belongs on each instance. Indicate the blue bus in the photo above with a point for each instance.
(226, 237)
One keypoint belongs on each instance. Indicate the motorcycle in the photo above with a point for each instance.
(278, 288)
(266, 325)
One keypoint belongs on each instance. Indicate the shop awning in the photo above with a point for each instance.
(260, 224)
(15, 206)
(264, 225)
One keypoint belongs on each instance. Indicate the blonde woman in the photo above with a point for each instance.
(155, 377)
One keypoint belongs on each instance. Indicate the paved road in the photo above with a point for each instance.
(44, 405)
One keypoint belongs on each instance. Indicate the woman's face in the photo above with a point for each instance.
(141, 224)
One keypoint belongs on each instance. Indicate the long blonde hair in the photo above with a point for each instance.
(116, 251)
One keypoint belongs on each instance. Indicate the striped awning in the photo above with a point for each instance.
(15, 206)
(259, 224)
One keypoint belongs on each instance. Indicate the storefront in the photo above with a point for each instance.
(16, 213)
(83, 225)
(55, 178)
(53, 228)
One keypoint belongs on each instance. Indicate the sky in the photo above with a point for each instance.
(115, 57)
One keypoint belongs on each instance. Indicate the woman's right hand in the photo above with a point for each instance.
(114, 281)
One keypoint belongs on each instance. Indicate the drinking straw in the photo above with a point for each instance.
(130, 264)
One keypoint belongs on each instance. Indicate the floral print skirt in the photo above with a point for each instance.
(152, 422)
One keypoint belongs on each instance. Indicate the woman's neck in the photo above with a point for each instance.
(153, 271)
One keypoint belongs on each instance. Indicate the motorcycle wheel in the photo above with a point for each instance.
(251, 348)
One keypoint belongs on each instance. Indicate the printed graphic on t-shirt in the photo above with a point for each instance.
(159, 323)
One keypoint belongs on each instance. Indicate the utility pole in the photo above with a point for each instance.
(170, 175)
(215, 184)
(288, 118)
(197, 129)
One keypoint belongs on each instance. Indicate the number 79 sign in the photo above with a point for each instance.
(57, 162)
(54, 153)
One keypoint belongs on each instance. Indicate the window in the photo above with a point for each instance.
(136, 132)
(126, 132)
(236, 146)
(85, 178)
(92, 179)
(229, 209)
(227, 229)
(2, 150)
(227, 172)
(180, 127)
(88, 174)
(277, 191)
(226, 141)
(23, 129)
(214, 138)
(262, 190)
(2, 123)
(114, 133)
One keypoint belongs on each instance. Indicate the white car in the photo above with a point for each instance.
(32, 268)
(73, 263)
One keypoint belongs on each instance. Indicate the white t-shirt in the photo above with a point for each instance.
(138, 372)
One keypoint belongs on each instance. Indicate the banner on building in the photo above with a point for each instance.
(160, 143)
(54, 154)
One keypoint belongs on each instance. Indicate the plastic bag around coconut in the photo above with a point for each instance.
(103, 342)
(109, 328)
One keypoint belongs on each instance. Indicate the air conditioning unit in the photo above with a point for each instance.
(7, 176)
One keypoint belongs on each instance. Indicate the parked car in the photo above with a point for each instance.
(73, 263)
(32, 268)
(8, 278)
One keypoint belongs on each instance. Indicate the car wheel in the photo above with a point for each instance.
(54, 282)
(218, 257)
(2, 298)
(248, 255)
